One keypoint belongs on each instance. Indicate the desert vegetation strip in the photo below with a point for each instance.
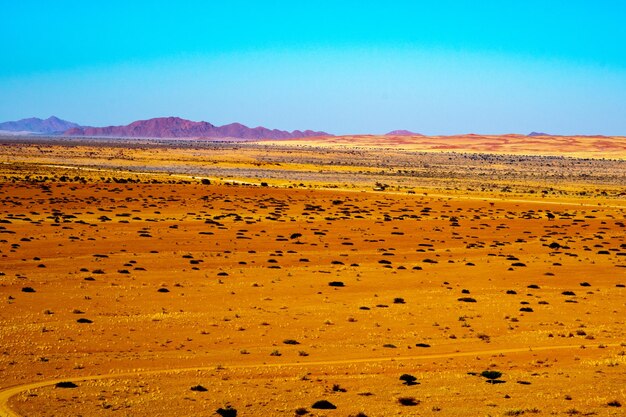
(290, 164)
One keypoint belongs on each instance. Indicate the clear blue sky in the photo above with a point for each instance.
(436, 67)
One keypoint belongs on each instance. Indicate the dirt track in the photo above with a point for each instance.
(7, 393)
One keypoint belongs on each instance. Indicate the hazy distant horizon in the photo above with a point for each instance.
(533, 133)
(355, 67)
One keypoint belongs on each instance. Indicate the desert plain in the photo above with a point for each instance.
(469, 276)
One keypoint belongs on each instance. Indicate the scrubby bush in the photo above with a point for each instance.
(408, 401)
(66, 384)
(492, 376)
(408, 379)
(324, 405)
(227, 412)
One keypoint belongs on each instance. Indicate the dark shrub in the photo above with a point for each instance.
(491, 375)
(408, 379)
(338, 388)
(408, 401)
(324, 405)
(227, 412)
(66, 384)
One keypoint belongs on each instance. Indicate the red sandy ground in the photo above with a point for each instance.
(227, 287)
(251, 289)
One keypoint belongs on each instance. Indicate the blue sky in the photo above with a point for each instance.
(436, 67)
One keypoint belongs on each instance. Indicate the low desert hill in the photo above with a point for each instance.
(402, 133)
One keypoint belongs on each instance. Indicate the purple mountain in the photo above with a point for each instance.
(175, 127)
(50, 125)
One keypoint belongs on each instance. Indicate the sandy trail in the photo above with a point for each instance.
(8, 393)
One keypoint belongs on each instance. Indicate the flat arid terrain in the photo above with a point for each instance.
(359, 276)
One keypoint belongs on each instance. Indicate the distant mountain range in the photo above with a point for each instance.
(161, 127)
(35, 125)
(175, 127)
(172, 127)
